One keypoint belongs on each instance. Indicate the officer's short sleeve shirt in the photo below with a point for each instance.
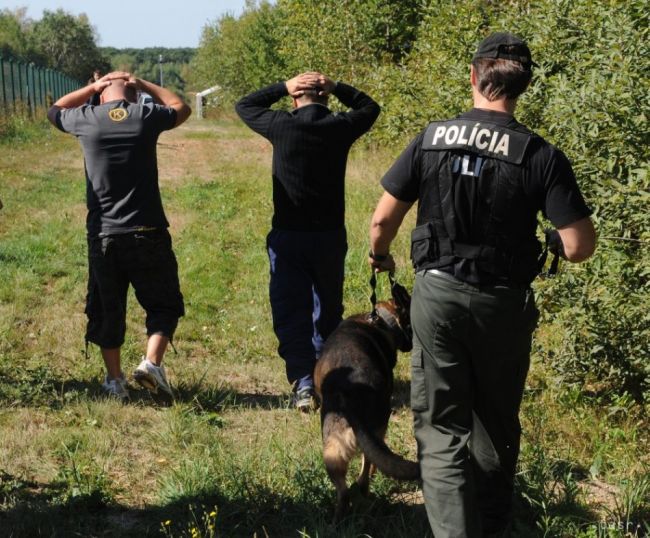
(550, 182)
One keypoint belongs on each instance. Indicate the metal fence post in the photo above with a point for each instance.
(41, 87)
(38, 94)
(50, 89)
(2, 84)
(31, 92)
(44, 85)
(20, 82)
(11, 82)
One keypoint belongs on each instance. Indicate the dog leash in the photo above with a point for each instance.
(373, 296)
(402, 301)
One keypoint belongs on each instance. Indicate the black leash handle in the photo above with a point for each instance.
(373, 295)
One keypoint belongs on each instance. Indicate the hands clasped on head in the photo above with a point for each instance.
(129, 80)
(311, 81)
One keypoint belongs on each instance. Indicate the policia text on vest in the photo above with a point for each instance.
(489, 140)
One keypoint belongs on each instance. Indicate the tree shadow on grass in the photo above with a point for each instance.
(221, 397)
(36, 388)
(26, 512)
(31, 389)
(243, 510)
(548, 497)
(40, 387)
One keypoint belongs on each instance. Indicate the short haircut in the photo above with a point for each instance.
(129, 92)
(312, 96)
(496, 78)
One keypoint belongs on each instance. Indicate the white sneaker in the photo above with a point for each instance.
(152, 378)
(116, 388)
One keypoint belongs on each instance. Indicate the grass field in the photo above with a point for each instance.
(230, 458)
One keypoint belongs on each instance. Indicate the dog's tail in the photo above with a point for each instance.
(383, 457)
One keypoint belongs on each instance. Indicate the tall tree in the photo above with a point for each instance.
(13, 34)
(68, 44)
(240, 54)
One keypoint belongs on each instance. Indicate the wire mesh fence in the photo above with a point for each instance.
(26, 87)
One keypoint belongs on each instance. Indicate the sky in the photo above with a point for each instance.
(139, 23)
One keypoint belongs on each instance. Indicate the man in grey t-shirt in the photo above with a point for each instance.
(128, 242)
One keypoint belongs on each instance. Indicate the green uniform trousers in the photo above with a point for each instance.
(470, 359)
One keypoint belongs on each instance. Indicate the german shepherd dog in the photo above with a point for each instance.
(354, 381)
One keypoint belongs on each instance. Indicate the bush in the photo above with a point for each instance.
(589, 96)
(238, 54)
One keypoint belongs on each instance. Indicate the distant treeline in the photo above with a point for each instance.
(145, 64)
(59, 40)
(68, 43)
(589, 96)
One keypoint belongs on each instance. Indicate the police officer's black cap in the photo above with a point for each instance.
(505, 46)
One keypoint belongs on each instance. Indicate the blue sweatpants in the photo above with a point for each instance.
(306, 292)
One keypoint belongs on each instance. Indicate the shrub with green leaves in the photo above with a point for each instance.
(589, 96)
(591, 100)
(239, 54)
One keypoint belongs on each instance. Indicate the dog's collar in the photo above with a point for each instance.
(390, 320)
(385, 315)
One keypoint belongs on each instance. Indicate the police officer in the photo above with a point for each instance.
(480, 180)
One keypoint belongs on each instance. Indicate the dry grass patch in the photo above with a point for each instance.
(182, 158)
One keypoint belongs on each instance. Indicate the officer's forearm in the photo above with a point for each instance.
(385, 222)
(578, 240)
(380, 238)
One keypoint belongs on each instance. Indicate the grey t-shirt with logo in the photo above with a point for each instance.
(119, 146)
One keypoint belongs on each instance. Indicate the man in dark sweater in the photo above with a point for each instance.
(307, 243)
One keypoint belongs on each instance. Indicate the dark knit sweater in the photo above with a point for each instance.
(310, 151)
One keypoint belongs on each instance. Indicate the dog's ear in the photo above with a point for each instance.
(401, 296)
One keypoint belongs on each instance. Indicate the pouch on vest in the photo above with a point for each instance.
(424, 246)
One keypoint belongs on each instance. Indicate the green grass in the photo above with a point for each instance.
(19, 127)
(230, 458)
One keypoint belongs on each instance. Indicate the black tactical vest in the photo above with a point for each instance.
(500, 234)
